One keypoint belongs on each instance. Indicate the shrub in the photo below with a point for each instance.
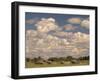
(27, 59)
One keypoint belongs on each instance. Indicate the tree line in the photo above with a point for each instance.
(40, 60)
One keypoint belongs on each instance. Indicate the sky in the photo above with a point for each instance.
(61, 19)
(56, 35)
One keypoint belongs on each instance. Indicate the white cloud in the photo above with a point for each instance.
(58, 44)
(51, 19)
(31, 21)
(74, 20)
(79, 51)
(32, 33)
(66, 35)
(46, 25)
(69, 27)
(85, 24)
(81, 37)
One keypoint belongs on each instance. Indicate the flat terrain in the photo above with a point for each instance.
(55, 64)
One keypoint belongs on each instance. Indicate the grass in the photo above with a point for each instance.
(30, 64)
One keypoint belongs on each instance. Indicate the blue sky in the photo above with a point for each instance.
(61, 20)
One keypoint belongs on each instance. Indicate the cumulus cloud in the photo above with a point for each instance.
(69, 27)
(68, 35)
(56, 44)
(79, 51)
(46, 24)
(74, 20)
(30, 32)
(31, 21)
(49, 19)
(60, 34)
(85, 24)
(81, 38)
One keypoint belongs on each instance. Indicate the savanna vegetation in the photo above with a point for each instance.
(54, 61)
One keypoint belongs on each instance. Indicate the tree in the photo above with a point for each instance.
(62, 59)
(27, 59)
(53, 59)
(84, 58)
(69, 58)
